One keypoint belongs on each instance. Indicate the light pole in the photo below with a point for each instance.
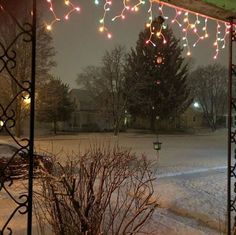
(160, 59)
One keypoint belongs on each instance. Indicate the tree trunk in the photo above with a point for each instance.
(152, 122)
(211, 122)
(55, 127)
(116, 128)
(213, 126)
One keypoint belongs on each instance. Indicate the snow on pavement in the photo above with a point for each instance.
(200, 202)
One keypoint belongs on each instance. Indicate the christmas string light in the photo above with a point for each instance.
(191, 27)
(191, 24)
(185, 31)
(69, 4)
(122, 14)
(159, 33)
(127, 7)
(227, 28)
(188, 27)
(175, 19)
(197, 19)
(103, 28)
(205, 29)
(56, 19)
(194, 26)
(149, 25)
(217, 39)
(136, 7)
(73, 8)
(160, 8)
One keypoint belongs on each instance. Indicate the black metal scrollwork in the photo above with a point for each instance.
(231, 136)
(20, 88)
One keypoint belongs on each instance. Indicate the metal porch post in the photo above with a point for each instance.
(231, 198)
(32, 117)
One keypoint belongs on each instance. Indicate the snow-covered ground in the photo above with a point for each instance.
(190, 170)
(195, 202)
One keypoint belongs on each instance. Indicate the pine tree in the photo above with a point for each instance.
(53, 103)
(157, 73)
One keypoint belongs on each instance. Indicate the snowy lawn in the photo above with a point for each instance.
(179, 153)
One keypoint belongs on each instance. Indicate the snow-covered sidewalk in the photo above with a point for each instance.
(191, 204)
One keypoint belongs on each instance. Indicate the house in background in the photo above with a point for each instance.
(87, 116)
(192, 118)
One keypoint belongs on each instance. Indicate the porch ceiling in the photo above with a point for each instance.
(219, 9)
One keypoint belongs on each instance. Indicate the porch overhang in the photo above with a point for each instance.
(218, 9)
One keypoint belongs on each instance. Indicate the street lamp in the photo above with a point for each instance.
(157, 143)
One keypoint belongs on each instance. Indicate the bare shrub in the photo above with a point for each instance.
(106, 191)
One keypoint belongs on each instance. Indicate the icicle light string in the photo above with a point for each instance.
(190, 23)
(103, 28)
(149, 25)
(73, 8)
(68, 4)
(181, 18)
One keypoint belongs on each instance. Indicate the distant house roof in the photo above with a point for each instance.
(84, 98)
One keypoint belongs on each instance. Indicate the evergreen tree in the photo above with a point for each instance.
(53, 103)
(157, 72)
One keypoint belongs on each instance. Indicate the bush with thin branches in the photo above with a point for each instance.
(106, 191)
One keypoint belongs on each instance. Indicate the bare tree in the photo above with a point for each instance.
(113, 73)
(107, 191)
(107, 85)
(209, 88)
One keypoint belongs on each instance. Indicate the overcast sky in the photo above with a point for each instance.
(78, 42)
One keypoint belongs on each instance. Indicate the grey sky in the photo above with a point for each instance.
(78, 42)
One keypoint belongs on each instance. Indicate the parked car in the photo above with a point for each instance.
(14, 162)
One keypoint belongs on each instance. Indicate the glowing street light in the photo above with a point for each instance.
(196, 105)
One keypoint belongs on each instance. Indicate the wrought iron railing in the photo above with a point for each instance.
(17, 84)
(231, 208)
